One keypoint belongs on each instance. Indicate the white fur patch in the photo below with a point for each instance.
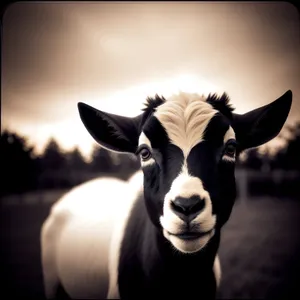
(188, 246)
(144, 140)
(185, 186)
(75, 238)
(228, 159)
(230, 134)
(217, 270)
(185, 118)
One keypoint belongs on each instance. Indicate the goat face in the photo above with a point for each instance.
(188, 145)
(187, 151)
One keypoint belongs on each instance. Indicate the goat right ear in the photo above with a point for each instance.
(113, 132)
(262, 124)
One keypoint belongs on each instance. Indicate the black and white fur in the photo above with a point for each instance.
(158, 234)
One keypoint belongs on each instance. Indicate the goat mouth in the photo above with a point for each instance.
(190, 235)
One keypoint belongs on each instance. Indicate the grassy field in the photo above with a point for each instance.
(259, 249)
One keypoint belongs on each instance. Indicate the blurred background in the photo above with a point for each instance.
(112, 55)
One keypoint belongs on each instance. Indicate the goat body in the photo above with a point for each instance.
(158, 234)
(81, 243)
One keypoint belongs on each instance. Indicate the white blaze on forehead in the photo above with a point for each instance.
(230, 134)
(185, 118)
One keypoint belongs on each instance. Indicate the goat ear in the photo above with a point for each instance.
(260, 125)
(113, 132)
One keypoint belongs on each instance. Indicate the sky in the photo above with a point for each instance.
(112, 55)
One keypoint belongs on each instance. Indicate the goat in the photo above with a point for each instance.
(158, 234)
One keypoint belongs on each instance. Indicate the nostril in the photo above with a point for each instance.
(197, 207)
(187, 206)
(176, 207)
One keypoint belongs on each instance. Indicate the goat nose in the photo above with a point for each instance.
(187, 208)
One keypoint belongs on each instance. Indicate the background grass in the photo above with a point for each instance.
(259, 249)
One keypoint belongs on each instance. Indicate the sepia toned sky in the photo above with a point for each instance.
(114, 54)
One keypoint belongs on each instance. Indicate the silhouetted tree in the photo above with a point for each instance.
(75, 160)
(18, 166)
(53, 158)
(128, 164)
(253, 160)
(289, 157)
(101, 160)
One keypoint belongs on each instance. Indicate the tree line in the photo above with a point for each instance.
(286, 158)
(23, 170)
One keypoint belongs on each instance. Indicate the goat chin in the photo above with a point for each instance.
(188, 246)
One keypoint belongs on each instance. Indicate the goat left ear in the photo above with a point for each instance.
(113, 132)
(260, 125)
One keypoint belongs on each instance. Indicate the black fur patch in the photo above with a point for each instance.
(221, 103)
(150, 268)
(152, 103)
(216, 129)
(150, 107)
(156, 133)
(61, 293)
(205, 162)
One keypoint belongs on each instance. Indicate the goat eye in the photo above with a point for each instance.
(230, 150)
(145, 154)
